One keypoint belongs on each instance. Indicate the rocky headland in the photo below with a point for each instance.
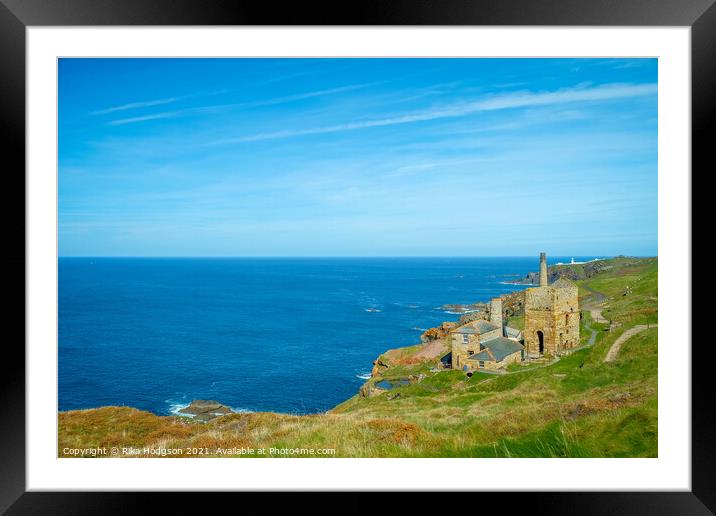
(572, 271)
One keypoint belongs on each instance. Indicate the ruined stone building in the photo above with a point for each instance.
(551, 316)
(551, 327)
(483, 345)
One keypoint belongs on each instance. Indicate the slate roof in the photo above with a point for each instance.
(477, 328)
(499, 348)
(469, 330)
(513, 332)
(482, 355)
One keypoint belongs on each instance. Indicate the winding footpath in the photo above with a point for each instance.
(614, 350)
(595, 304)
(593, 336)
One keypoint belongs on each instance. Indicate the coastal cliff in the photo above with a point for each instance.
(574, 272)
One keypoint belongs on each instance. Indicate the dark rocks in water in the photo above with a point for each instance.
(205, 410)
(462, 308)
(474, 316)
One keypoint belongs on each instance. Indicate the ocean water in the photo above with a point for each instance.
(287, 335)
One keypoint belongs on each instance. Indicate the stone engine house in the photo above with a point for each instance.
(551, 316)
(551, 328)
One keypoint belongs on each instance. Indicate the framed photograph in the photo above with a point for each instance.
(415, 247)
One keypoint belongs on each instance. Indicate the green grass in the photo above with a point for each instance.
(516, 321)
(632, 290)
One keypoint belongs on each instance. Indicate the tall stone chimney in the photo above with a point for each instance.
(496, 311)
(543, 275)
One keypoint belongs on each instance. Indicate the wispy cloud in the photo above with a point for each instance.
(171, 100)
(156, 102)
(497, 102)
(145, 118)
(238, 105)
(137, 105)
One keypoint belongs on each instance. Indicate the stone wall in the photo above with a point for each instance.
(459, 352)
(497, 332)
(554, 312)
(496, 311)
(567, 316)
(460, 349)
(566, 299)
(544, 321)
(571, 331)
(514, 358)
(539, 298)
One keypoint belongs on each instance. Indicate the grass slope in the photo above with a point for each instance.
(577, 407)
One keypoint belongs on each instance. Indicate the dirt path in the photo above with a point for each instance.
(614, 350)
(597, 316)
(594, 303)
(593, 336)
(433, 349)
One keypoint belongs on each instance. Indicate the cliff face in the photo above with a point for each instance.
(577, 271)
(439, 332)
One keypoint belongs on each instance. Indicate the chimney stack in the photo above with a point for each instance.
(496, 311)
(543, 275)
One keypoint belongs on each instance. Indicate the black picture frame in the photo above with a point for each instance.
(16, 15)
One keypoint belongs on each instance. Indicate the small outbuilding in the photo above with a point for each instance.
(497, 354)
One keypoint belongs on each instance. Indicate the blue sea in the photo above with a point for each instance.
(287, 335)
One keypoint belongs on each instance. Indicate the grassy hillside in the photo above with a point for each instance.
(579, 406)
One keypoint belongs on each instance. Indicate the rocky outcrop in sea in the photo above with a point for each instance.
(205, 410)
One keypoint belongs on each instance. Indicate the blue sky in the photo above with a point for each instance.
(357, 157)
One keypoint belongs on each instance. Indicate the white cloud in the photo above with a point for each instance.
(137, 105)
(221, 107)
(498, 102)
(144, 118)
